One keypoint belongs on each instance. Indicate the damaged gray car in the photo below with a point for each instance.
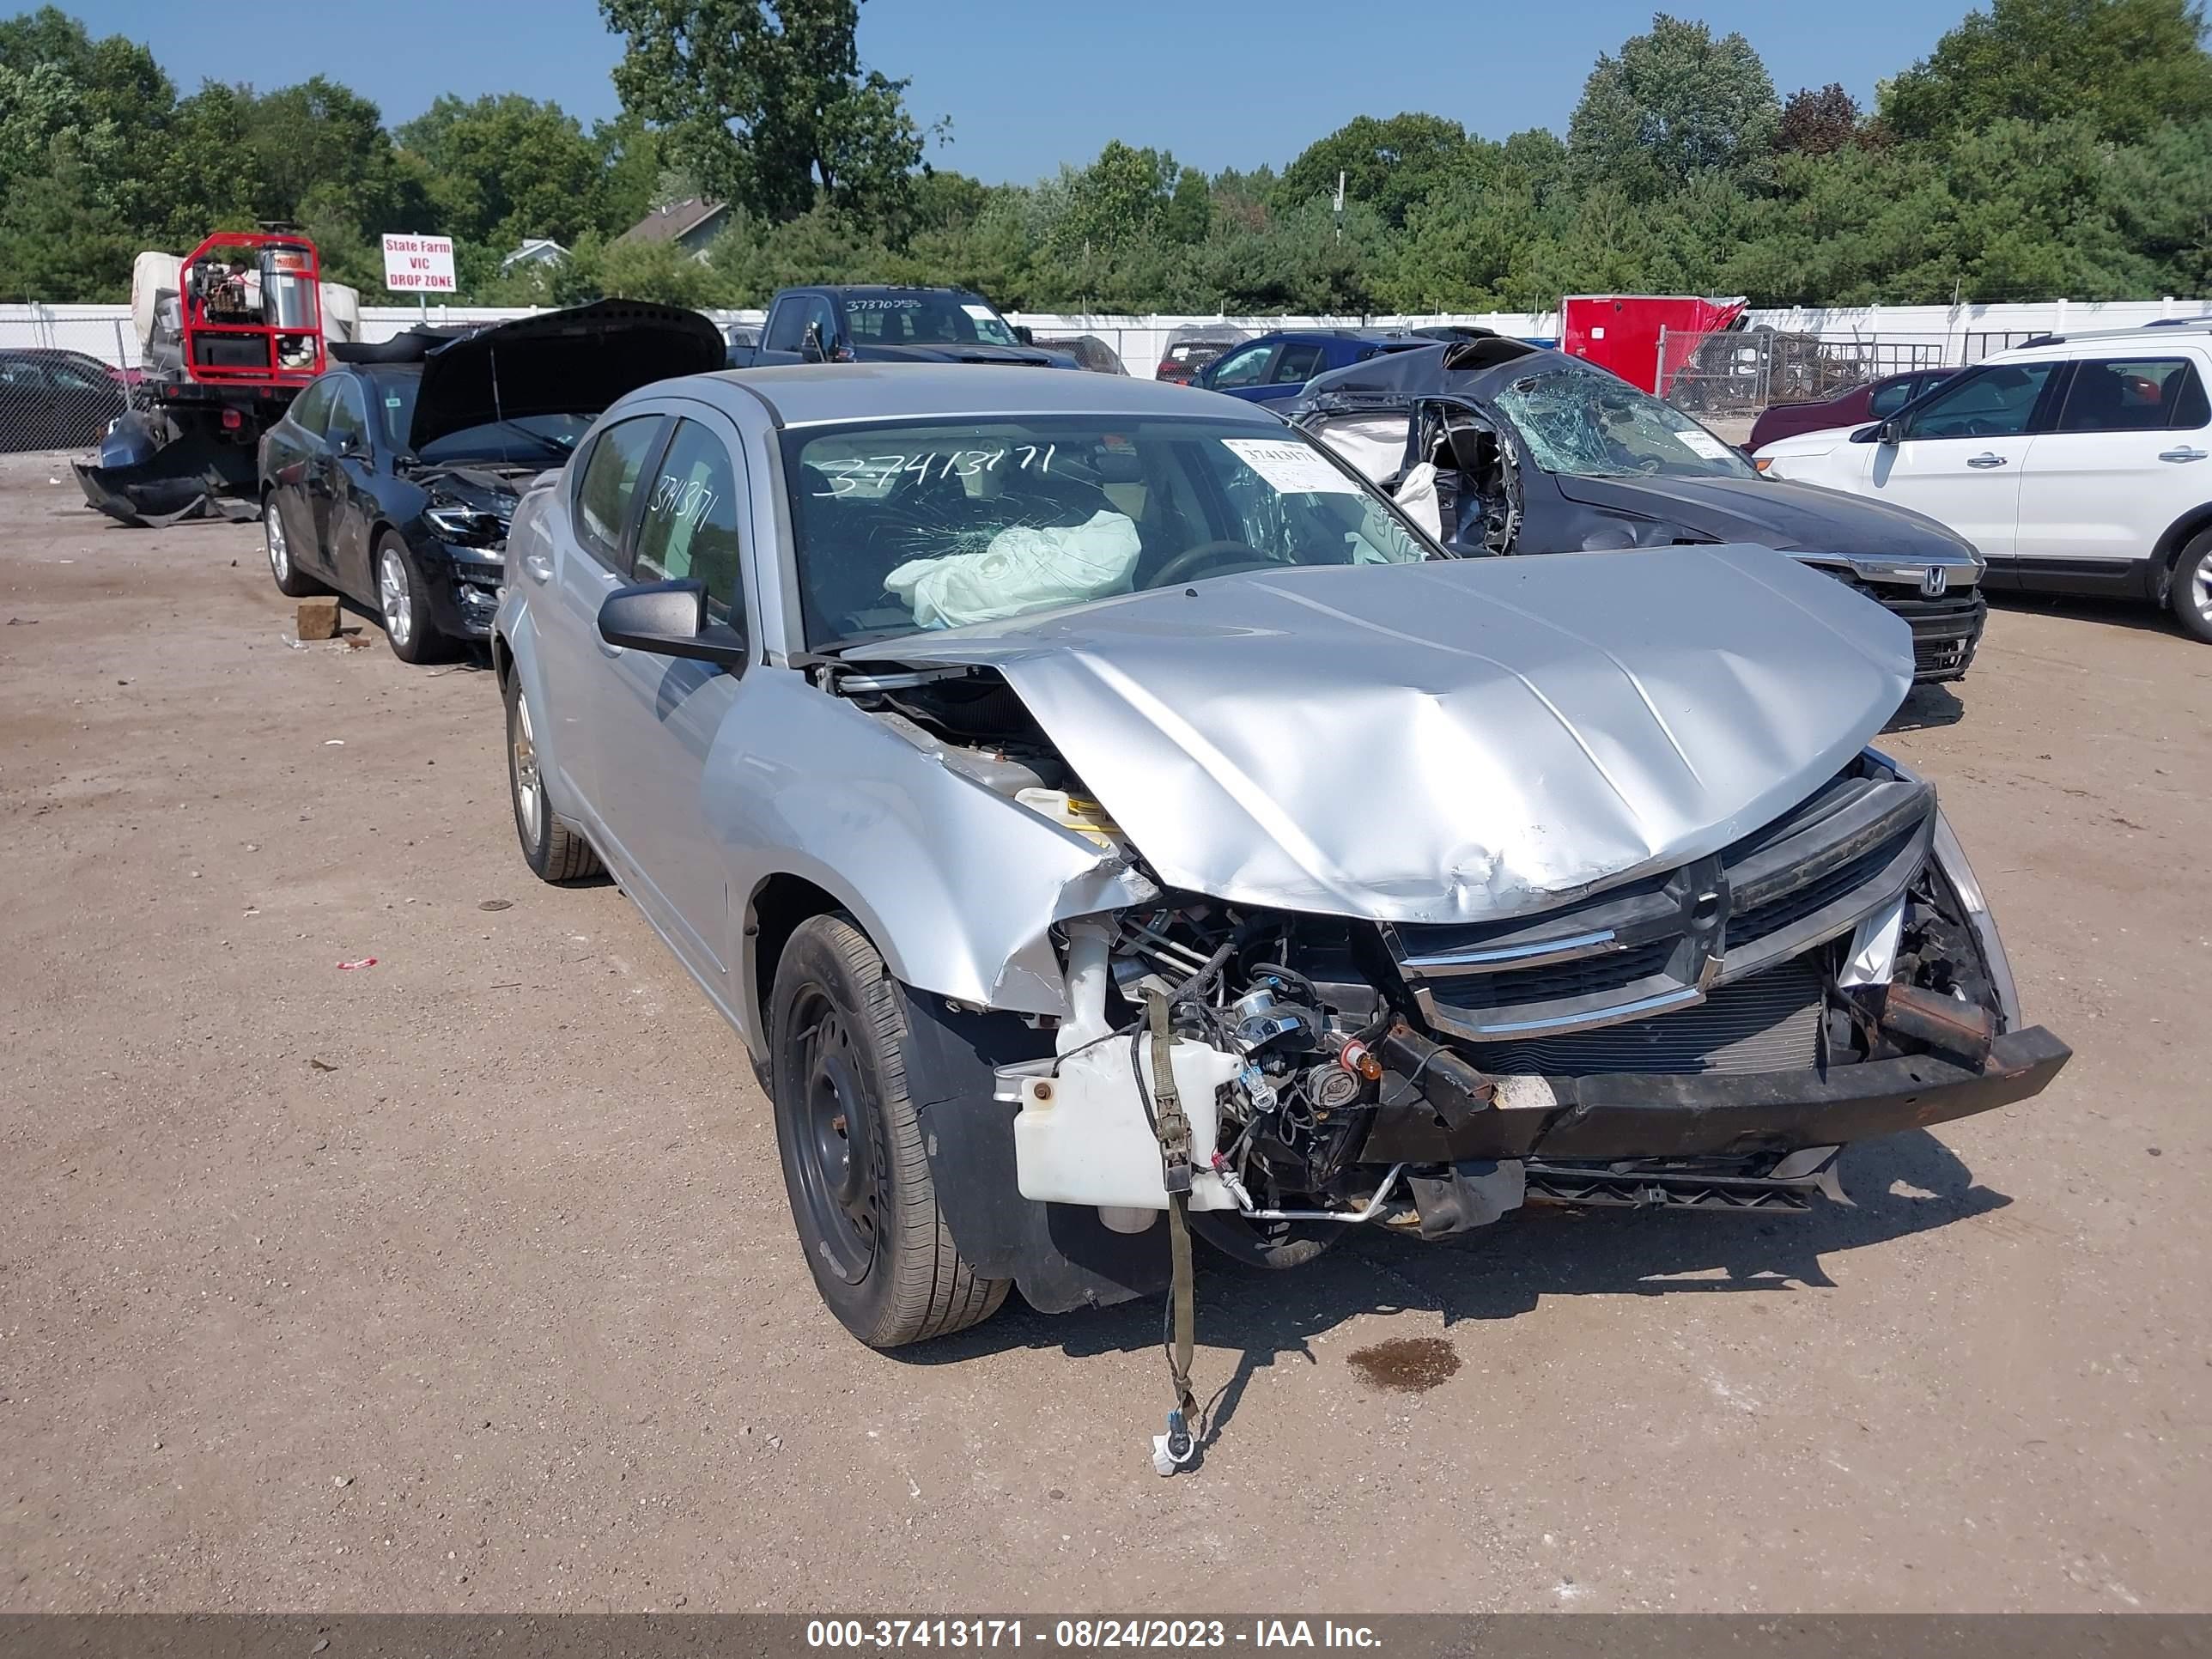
(1103, 814)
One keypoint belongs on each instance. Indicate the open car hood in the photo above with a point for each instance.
(1454, 741)
(574, 361)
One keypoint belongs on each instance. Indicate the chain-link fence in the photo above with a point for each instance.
(1740, 371)
(63, 379)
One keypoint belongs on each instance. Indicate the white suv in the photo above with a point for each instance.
(2075, 465)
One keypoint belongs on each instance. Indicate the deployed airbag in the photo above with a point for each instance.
(1024, 568)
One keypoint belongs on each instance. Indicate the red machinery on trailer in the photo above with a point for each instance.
(1627, 332)
(230, 333)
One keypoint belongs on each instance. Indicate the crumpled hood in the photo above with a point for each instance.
(1454, 741)
(574, 361)
(1778, 512)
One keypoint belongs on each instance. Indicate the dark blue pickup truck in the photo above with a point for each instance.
(851, 324)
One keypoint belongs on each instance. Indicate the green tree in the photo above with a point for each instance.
(1675, 104)
(2123, 65)
(765, 103)
(1389, 165)
(505, 167)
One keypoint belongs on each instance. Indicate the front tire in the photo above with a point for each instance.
(2192, 598)
(278, 545)
(553, 851)
(854, 1166)
(403, 602)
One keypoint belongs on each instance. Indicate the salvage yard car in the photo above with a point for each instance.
(1097, 808)
(391, 478)
(1537, 451)
(2081, 465)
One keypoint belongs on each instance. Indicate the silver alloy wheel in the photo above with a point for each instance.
(529, 792)
(2200, 588)
(272, 531)
(396, 597)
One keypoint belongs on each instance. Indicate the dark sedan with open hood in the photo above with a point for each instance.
(392, 478)
(1506, 448)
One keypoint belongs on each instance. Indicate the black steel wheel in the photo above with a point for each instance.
(853, 1164)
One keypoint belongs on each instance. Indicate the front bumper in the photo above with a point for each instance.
(463, 593)
(1641, 1117)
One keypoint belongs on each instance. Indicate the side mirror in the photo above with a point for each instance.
(1891, 431)
(669, 619)
(812, 348)
(1023, 332)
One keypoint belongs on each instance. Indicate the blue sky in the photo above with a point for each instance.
(1220, 82)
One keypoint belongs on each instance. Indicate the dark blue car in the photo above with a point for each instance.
(1272, 367)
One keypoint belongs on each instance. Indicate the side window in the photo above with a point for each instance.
(787, 325)
(1243, 367)
(609, 480)
(1297, 364)
(690, 527)
(2137, 394)
(310, 410)
(349, 418)
(1997, 400)
(1889, 399)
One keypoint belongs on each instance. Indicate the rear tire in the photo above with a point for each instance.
(854, 1166)
(2192, 598)
(278, 546)
(553, 851)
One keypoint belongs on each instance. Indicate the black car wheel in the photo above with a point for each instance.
(289, 582)
(553, 851)
(853, 1165)
(403, 602)
(2192, 588)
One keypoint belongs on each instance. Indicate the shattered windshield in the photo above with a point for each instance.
(1587, 423)
(924, 526)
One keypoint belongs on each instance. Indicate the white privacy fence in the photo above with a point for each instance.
(1954, 334)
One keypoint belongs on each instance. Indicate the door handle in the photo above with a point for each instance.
(540, 569)
(2184, 454)
(1985, 460)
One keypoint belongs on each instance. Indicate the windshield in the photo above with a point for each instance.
(538, 440)
(901, 529)
(895, 319)
(1586, 422)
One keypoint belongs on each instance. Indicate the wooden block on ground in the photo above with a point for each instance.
(319, 619)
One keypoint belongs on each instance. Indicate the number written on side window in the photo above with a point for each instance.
(688, 531)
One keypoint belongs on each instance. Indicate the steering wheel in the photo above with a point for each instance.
(1191, 560)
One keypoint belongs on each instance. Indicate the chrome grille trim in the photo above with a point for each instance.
(1806, 877)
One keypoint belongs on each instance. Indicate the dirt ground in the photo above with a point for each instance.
(466, 1280)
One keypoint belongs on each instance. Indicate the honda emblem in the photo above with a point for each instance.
(1933, 583)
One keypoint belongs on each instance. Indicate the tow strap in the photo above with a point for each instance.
(1174, 1448)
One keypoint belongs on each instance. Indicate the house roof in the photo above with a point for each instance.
(675, 221)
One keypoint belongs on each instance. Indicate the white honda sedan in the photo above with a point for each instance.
(2075, 465)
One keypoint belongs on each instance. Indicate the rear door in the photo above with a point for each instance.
(2129, 453)
(664, 715)
(343, 506)
(1960, 457)
(589, 563)
(294, 457)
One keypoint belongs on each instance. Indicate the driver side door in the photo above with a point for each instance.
(1962, 454)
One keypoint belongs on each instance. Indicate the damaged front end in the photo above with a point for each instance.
(1708, 1037)
(1483, 913)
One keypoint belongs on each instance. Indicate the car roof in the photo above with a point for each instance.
(2072, 345)
(884, 290)
(813, 394)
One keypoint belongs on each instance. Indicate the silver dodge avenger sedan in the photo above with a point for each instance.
(1105, 819)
